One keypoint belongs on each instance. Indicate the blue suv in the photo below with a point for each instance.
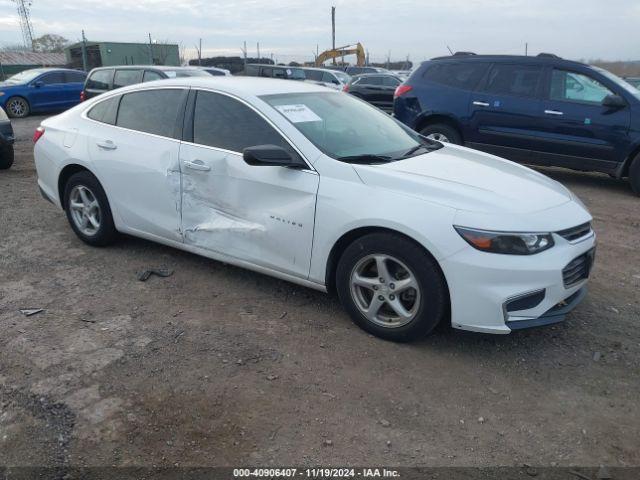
(41, 89)
(537, 110)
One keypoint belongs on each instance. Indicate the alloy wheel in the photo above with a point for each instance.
(438, 137)
(18, 107)
(385, 290)
(85, 210)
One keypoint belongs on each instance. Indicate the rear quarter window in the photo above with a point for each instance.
(458, 75)
(99, 80)
(105, 111)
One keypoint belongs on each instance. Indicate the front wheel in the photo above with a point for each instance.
(88, 210)
(441, 132)
(17, 107)
(391, 287)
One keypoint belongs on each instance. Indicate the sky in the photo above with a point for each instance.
(293, 29)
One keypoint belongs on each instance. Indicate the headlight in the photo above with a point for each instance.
(505, 242)
(1, 94)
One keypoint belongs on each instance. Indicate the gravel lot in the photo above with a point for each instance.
(220, 366)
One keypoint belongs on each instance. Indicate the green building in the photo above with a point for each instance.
(99, 54)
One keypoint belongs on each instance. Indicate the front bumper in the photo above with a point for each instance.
(484, 286)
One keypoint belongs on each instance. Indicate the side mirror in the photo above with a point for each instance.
(38, 84)
(614, 101)
(271, 155)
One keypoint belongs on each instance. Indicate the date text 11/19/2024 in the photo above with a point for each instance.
(315, 473)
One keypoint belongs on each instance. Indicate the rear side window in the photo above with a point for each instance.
(519, 80)
(390, 81)
(370, 81)
(74, 77)
(105, 111)
(576, 87)
(223, 122)
(151, 111)
(122, 78)
(151, 75)
(457, 75)
(99, 80)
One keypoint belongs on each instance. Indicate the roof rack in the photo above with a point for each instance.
(548, 55)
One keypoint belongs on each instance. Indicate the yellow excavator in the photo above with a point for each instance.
(339, 52)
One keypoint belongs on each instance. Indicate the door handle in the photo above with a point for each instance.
(107, 145)
(480, 104)
(197, 165)
(553, 112)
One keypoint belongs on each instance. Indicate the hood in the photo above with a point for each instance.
(470, 180)
(5, 85)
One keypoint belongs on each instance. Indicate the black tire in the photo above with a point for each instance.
(432, 307)
(634, 175)
(17, 107)
(106, 233)
(6, 157)
(443, 129)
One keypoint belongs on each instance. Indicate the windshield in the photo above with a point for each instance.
(348, 129)
(620, 82)
(25, 77)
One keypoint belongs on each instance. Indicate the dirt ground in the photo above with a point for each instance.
(215, 365)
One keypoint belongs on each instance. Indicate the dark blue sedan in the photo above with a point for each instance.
(41, 89)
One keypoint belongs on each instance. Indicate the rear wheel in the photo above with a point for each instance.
(634, 175)
(441, 132)
(17, 107)
(391, 287)
(88, 210)
(6, 157)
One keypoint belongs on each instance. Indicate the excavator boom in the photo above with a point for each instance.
(357, 50)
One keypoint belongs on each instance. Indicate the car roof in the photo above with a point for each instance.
(540, 59)
(53, 69)
(240, 86)
(148, 67)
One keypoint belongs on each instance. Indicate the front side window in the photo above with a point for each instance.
(105, 111)
(458, 75)
(222, 122)
(99, 80)
(315, 75)
(344, 127)
(295, 73)
(370, 81)
(53, 78)
(390, 81)
(151, 111)
(123, 78)
(517, 80)
(576, 87)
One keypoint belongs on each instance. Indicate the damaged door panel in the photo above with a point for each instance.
(144, 184)
(263, 215)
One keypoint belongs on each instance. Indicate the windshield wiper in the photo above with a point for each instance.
(427, 147)
(366, 159)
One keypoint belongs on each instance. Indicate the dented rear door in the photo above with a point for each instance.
(260, 214)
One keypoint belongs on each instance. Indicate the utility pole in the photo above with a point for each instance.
(200, 53)
(84, 53)
(258, 44)
(25, 23)
(150, 51)
(244, 55)
(526, 49)
(333, 30)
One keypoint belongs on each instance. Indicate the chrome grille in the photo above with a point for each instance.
(575, 233)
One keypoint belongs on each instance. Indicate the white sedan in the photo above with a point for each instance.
(319, 188)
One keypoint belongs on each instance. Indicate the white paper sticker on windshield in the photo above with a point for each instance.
(298, 113)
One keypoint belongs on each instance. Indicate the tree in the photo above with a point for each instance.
(50, 43)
